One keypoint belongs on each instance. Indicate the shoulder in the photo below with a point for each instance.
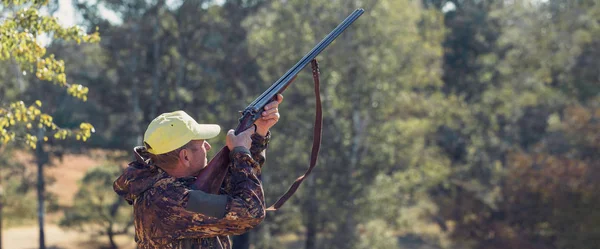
(169, 191)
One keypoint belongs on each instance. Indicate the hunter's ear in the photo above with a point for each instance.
(183, 156)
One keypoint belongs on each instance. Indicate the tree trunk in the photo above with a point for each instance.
(156, 53)
(135, 92)
(41, 161)
(111, 235)
(1, 210)
(180, 71)
(114, 210)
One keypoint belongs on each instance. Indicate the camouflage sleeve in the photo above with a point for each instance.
(245, 207)
(259, 145)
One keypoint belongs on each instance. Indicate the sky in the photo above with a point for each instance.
(66, 13)
(67, 16)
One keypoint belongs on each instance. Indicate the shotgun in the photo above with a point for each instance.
(211, 177)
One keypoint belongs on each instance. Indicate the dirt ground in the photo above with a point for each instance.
(57, 238)
(67, 172)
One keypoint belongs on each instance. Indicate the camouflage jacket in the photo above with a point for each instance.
(159, 201)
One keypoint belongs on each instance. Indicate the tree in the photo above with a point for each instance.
(504, 144)
(472, 34)
(197, 60)
(15, 182)
(548, 195)
(97, 207)
(22, 27)
(376, 80)
(200, 56)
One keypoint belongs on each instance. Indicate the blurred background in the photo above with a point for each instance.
(450, 124)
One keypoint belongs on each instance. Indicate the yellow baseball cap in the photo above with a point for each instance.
(171, 130)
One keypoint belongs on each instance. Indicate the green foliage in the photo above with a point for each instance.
(19, 205)
(378, 234)
(547, 197)
(17, 114)
(498, 145)
(18, 190)
(377, 83)
(96, 204)
(20, 32)
(16, 195)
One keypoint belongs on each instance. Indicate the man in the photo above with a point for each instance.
(168, 212)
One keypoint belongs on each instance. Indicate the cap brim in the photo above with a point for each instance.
(206, 131)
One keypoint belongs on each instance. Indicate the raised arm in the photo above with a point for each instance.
(195, 214)
(258, 149)
(260, 140)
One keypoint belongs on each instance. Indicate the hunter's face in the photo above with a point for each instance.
(198, 153)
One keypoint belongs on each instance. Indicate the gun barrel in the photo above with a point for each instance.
(286, 79)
